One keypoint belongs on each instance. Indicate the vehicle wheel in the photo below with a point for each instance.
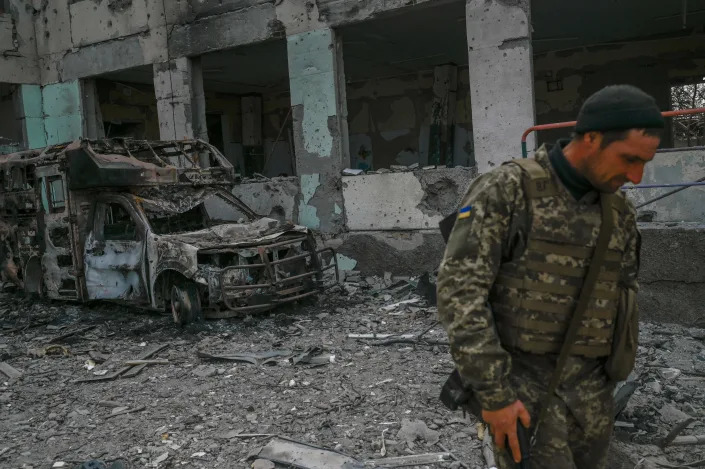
(185, 303)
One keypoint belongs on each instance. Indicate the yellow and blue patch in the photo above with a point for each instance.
(464, 212)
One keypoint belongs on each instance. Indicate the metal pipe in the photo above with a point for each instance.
(663, 196)
(561, 125)
(684, 185)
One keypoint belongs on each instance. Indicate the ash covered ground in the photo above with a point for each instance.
(298, 375)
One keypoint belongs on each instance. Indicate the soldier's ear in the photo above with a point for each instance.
(593, 139)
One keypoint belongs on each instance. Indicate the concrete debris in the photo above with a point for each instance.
(670, 414)
(394, 306)
(263, 464)
(689, 440)
(669, 373)
(412, 431)
(205, 371)
(237, 407)
(10, 371)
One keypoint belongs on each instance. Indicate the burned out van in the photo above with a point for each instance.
(151, 224)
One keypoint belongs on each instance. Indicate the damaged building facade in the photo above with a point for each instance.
(418, 96)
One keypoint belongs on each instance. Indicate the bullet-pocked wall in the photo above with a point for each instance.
(564, 79)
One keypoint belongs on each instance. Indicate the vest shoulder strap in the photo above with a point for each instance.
(618, 202)
(537, 180)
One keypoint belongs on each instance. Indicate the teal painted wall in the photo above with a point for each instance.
(61, 103)
(33, 121)
(51, 114)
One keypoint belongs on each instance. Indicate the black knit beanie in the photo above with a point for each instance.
(619, 107)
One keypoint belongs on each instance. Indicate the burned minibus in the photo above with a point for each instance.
(151, 224)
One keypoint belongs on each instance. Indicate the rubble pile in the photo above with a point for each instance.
(351, 378)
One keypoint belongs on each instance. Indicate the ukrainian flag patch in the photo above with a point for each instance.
(465, 212)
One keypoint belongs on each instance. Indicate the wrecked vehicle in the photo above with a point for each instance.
(151, 224)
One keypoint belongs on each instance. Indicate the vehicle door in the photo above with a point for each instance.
(114, 252)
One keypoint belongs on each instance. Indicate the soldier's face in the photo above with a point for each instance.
(620, 162)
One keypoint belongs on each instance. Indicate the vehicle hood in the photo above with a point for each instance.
(235, 235)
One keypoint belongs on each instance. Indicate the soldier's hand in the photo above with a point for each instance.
(503, 425)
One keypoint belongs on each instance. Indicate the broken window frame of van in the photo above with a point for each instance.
(229, 262)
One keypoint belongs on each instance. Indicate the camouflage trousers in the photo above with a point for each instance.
(578, 425)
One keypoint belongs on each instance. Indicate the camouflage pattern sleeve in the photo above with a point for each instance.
(630, 261)
(483, 235)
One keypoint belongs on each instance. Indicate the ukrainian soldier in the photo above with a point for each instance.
(513, 270)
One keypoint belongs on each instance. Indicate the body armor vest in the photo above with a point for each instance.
(534, 295)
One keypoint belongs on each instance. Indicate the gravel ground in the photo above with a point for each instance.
(359, 397)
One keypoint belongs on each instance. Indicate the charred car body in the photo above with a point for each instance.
(152, 224)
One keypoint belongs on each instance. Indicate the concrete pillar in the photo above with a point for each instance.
(92, 117)
(445, 87)
(501, 78)
(181, 104)
(319, 114)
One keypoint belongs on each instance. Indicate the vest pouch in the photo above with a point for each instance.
(626, 335)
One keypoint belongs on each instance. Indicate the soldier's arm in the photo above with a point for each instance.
(481, 238)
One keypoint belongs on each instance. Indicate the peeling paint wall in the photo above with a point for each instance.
(404, 200)
(50, 114)
(389, 121)
(30, 109)
(276, 198)
(62, 106)
(319, 125)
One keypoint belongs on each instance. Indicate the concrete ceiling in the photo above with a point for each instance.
(423, 37)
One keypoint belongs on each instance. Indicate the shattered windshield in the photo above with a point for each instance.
(184, 209)
(172, 223)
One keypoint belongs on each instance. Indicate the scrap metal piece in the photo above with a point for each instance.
(124, 370)
(305, 456)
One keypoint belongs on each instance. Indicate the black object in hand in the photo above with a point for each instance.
(524, 446)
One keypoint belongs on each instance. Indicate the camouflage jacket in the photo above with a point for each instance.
(496, 232)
